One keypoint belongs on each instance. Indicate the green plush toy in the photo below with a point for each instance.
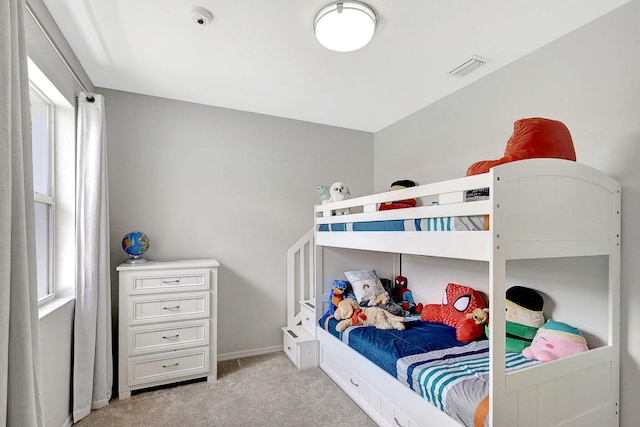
(524, 317)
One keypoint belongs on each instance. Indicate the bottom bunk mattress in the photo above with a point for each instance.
(426, 357)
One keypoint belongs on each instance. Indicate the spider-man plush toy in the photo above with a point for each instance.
(457, 301)
(404, 297)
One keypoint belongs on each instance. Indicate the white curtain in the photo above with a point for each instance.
(20, 381)
(93, 359)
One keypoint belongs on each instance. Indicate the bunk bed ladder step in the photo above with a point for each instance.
(299, 334)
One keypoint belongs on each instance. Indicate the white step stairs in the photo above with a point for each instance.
(299, 334)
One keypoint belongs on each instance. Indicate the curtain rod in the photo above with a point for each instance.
(55, 47)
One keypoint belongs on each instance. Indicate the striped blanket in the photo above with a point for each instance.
(455, 380)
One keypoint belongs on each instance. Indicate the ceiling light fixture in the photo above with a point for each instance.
(345, 26)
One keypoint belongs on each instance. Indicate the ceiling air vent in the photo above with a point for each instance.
(468, 66)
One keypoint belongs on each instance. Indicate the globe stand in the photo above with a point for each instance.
(135, 260)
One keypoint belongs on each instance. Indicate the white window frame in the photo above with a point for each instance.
(62, 250)
(48, 199)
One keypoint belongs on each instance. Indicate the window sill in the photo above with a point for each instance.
(45, 309)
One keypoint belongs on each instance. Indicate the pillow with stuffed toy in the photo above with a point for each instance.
(365, 284)
(457, 301)
(532, 138)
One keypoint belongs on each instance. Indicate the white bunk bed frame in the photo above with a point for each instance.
(538, 208)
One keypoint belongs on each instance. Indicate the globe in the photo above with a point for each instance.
(135, 243)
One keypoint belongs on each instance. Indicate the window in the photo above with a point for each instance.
(53, 147)
(42, 148)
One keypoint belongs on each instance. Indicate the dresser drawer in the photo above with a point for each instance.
(169, 281)
(168, 336)
(169, 307)
(163, 366)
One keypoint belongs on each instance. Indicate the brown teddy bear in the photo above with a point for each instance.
(479, 315)
(351, 314)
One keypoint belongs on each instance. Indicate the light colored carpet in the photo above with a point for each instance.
(265, 390)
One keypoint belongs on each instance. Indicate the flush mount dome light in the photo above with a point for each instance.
(345, 26)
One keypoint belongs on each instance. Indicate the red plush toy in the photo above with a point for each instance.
(531, 139)
(404, 297)
(399, 204)
(457, 302)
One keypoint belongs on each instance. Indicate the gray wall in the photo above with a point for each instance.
(590, 80)
(240, 187)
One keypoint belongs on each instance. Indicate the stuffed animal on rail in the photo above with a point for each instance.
(399, 204)
(338, 290)
(339, 192)
(555, 340)
(532, 138)
(457, 302)
(351, 314)
(323, 193)
(404, 296)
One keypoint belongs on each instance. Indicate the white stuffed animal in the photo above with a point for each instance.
(339, 192)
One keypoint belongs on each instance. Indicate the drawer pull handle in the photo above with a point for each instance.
(397, 422)
(171, 366)
(171, 308)
(171, 337)
(355, 384)
(289, 348)
(171, 281)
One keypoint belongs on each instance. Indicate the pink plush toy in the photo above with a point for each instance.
(555, 340)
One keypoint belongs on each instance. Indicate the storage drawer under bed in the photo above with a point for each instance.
(353, 384)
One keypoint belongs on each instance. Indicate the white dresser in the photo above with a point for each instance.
(167, 323)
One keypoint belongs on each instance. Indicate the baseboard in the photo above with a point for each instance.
(248, 353)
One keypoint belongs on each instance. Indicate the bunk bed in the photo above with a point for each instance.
(551, 220)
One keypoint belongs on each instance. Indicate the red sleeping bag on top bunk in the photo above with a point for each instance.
(532, 138)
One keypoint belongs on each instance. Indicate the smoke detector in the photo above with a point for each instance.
(201, 16)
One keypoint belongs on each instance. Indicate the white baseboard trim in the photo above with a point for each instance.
(248, 353)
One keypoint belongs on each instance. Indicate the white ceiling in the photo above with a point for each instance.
(261, 55)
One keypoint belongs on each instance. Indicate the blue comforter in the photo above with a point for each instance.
(384, 347)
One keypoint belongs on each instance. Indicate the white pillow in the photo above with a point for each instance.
(365, 284)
